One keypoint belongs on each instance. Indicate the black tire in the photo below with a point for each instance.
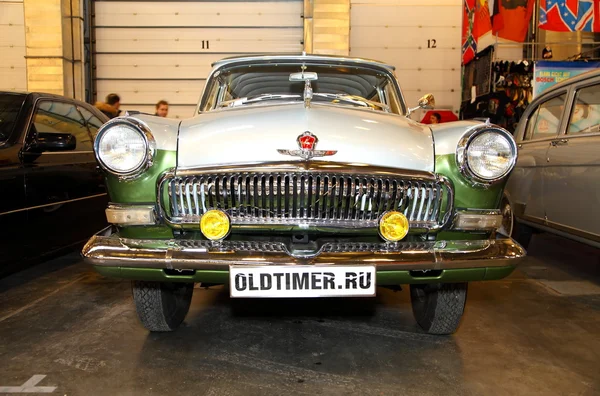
(522, 233)
(438, 307)
(161, 306)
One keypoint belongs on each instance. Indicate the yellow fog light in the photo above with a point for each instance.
(215, 225)
(393, 226)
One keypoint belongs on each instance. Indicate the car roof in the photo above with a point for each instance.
(573, 80)
(299, 57)
(42, 95)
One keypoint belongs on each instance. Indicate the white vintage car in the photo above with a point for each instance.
(303, 176)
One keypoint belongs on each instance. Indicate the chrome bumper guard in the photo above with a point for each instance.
(108, 249)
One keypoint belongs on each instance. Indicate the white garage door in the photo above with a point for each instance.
(146, 51)
(13, 72)
(421, 38)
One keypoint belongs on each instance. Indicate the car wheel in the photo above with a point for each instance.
(438, 307)
(522, 233)
(161, 306)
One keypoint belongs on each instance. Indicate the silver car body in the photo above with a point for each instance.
(555, 184)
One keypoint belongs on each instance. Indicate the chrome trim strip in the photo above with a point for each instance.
(52, 204)
(65, 152)
(108, 249)
(476, 212)
(149, 210)
(299, 58)
(304, 166)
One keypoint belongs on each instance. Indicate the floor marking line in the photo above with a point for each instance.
(29, 386)
(31, 304)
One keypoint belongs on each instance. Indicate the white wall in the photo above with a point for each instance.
(148, 51)
(401, 33)
(13, 72)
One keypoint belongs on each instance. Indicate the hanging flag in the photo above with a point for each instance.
(570, 15)
(483, 22)
(469, 45)
(510, 19)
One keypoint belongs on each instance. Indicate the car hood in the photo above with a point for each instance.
(255, 134)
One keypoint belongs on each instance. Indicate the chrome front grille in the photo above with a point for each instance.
(257, 246)
(306, 198)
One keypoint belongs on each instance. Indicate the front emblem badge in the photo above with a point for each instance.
(307, 143)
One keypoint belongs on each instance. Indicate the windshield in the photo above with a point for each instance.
(354, 86)
(10, 105)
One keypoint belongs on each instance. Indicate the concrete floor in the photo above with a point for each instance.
(535, 333)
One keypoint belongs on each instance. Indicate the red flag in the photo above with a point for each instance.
(570, 15)
(469, 45)
(483, 22)
(511, 18)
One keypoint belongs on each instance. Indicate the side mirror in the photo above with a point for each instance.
(54, 142)
(426, 102)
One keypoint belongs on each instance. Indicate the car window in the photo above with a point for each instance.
(392, 99)
(93, 122)
(264, 84)
(585, 115)
(62, 118)
(10, 106)
(545, 120)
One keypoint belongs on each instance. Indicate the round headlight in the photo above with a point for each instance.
(122, 148)
(487, 155)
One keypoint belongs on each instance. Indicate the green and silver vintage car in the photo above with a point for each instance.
(303, 176)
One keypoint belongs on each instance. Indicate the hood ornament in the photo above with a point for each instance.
(307, 143)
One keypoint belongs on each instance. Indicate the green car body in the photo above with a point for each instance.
(207, 163)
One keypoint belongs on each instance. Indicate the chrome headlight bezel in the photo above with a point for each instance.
(463, 147)
(149, 142)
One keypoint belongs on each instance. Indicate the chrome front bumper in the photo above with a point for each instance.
(108, 249)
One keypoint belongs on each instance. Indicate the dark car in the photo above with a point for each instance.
(53, 195)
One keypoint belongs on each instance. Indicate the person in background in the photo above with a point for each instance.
(547, 52)
(162, 108)
(111, 106)
(435, 118)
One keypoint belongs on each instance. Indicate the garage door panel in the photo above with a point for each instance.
(443, 80)
(155, 66)
(142, 34)
(354, 3)
(163, 87)
(13, 72)
(424, 45)
(441, 98)
(12, 13)
(149, 93)
(13, 79)
(149, 50)
(198, 40)
(186, 111)
(404, 36)
(199, 14)
(152, 71)
(223, 45)
(14, 56)
(414, 15)
(412, 59)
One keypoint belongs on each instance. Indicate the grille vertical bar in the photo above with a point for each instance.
(319, 198)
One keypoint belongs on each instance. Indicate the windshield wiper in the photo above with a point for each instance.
(353, 99)
(255, 99)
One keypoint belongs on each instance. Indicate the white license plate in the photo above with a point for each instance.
(302, 281)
